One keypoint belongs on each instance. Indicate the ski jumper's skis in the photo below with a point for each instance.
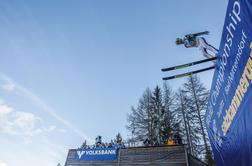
(188, 64)
(188, 73)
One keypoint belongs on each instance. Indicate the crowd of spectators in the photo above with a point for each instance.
(118, 143)
(173, 139)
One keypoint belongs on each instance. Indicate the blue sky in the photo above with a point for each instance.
(70, 70)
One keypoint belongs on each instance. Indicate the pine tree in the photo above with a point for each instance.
(118, 139)
(182, 117)
(140, 121)
(157, 115)
(84, 144)
(169, 122)
(153, 120)
(196, 96)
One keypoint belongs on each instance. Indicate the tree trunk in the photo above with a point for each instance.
(198, 112)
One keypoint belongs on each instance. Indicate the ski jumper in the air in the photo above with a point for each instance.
(192, 40)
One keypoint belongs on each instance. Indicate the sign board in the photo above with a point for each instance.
(229, 115)
(96, 154)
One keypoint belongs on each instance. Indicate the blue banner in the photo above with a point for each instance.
(229, 115)
(96, 154)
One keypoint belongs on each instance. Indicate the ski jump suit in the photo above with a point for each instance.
(200, 42)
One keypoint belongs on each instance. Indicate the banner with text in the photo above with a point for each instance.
(96, 154)
(229, 115)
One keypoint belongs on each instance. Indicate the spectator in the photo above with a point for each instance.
(170, 141)
(146, 142)
(178, 139)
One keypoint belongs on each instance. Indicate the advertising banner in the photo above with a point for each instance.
(229, 115)
(96, 154)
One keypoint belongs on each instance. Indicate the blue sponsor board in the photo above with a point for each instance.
(229, 115)
(96, 154)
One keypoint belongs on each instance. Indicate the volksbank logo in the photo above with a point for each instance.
(82, 153)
